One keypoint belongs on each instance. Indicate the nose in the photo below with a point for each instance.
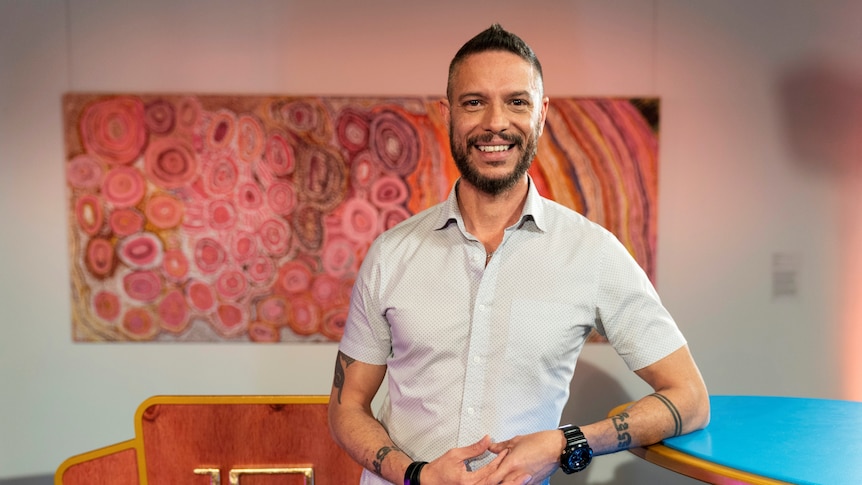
(496, 120)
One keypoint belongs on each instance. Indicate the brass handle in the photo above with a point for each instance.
(234, 474)
(214, 473)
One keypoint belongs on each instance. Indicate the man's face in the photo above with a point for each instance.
(496, 114)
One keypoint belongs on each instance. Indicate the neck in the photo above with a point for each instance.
(487, 216)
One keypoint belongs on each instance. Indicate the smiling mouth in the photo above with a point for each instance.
(494, 148)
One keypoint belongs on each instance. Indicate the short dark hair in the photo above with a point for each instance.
(494, 38)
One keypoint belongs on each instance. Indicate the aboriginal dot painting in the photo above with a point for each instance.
(245, 218)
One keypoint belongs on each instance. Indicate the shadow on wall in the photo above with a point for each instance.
(822, 108)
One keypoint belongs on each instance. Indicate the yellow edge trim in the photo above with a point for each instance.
(236, 399)
(92, 455)
(692, 466)
(137, 443)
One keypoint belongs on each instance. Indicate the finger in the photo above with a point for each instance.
(500, 446)
(474, 450)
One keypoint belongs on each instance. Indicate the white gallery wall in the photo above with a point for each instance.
(760, 101)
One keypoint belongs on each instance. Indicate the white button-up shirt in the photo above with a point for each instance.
(474, 350)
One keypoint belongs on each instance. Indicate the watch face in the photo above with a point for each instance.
(579, 458)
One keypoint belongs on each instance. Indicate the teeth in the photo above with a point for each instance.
(494, 148)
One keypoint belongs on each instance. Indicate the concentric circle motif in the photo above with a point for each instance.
(100, 259)
(106, 305)
(352, 130)
(394, 143)
(142, 286)
(279, 155)
(281, 198)
(125, 222)
(391, 217)
(209, 255)
(275, 236)
(174, 311)
(175, 265)
(249, 196)
(139, 324)
(160, 117)
(359, 220)
(243, 246)
(141, 251)
(84, 172)
(221, 129)
(321, 178)
(273, 309)
(88, 212)
(170, 163)
(220, 176)
(231, 319)
(123, 186)
(363, 170)
(113, 129)
(164, 211)
(250, 138)
(201, 297)
(304, 317)
(326, 290)
(231, 284)
(260, 270)
(301, 116)
(188, 113)
(308, 227)
(333, 324)
(222, 215)
(293, 278)
(388, 191)
(339, 256)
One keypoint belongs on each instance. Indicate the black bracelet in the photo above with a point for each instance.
(411, 475)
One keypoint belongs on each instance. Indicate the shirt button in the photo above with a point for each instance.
(477, 359)
(470, 411)
(482, 308)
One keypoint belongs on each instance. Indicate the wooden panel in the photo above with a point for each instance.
(181, 437)
(114, 465)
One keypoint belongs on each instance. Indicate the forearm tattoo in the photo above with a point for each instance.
(381, 455)
(624, 439)
(677, 419)
(338, 380)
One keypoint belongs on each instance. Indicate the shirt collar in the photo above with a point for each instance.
(533, 208)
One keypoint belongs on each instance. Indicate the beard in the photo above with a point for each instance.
(489, 185)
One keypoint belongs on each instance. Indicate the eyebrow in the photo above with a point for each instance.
(513, 94)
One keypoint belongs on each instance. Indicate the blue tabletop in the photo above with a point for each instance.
(796, 440)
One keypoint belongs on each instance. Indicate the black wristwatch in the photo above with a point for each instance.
(577, 454)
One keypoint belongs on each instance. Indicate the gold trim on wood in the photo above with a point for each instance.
(234, 475)
(214, 473)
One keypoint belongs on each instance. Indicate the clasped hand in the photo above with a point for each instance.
(522, 460)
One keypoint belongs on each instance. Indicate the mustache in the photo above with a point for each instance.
(512, 138)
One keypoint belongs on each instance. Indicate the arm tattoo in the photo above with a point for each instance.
(381, 455)
(338, 380)
(624, 439)
(677, 419)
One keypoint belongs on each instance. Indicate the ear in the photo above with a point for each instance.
(445, 110)
(544, 114)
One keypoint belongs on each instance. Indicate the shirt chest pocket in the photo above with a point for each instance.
(544, 331)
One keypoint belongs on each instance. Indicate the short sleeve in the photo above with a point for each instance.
(630, 312)
(367, 336)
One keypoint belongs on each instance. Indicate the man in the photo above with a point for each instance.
(478, 308)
